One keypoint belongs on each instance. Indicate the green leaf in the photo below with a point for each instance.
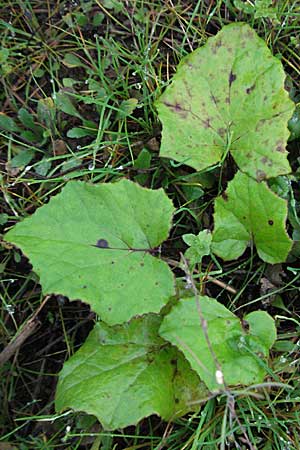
(64, 103)
(24, 157)
(294, 124)
(81, 19)
(239, 351)
(4, 55)
(143, 161)
(70, 60)
(191, 192)
(69, 82)
(78, 132)
(3, 218)
(125, 373)
(28, 135)
(127, 107)
(98, 19)
(199, 246)
(43, 167)
(116, 5)
(93, 243)
(46, 112)
(245, 7)
(228, 96)
(264, 8)
(27, 119)
(249, 212)
(263, 331)
(7, 123)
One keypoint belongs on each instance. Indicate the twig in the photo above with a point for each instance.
(203, 321)
(17, 341)
(218, 373)
(209, 278)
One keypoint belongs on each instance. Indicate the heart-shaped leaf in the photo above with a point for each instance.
(94, 243)
(238, 350)
(126, 372)
(228, 96)
(250, 212)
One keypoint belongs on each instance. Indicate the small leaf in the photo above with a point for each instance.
(98, 88)
(98, 19)
(27, 119)
(38, 72)
(64, 102)
(116, 5)
(43, 167)
(28, 135)
(242, 6)
(228, 96)
(69, 82)
(250, 212)
(125, 373)
(192, 192)
(7, 123)
(294, 124)
(81, 19)
(70, 60)
(238, 349)
(77, 132)
(46, 112)
(23, 158)
(264, 8)
(263, 331)
(120, 281)
(143, 161)
(4, 55)
(3, 218)
(199, 246)
(127, 107)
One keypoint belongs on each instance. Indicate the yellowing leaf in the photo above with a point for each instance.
(124, 373)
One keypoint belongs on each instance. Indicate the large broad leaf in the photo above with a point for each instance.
(249, 212)
(228, 95)
(239, 347)
(124, 373)
(93, 243)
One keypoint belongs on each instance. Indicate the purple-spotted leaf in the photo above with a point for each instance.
(228, 96)
(124, 373)
(237, 348)
(95, 243)
(250, 213)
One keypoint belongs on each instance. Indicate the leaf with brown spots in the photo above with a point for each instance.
(228, 95)
(124, 373)
(250, 213)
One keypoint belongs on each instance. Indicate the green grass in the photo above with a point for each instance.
(95, 56)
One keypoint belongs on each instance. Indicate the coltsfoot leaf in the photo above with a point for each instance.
(249, 212)
(239, 347)
(94, 243)
(124, 373)
(228, 96)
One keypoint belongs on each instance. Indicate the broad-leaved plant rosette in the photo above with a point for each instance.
(148, 352)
